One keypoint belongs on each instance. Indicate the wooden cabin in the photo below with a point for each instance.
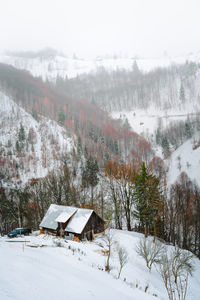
(71, 222)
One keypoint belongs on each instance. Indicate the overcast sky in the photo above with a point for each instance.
(96, 27)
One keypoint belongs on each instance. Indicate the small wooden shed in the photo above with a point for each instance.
(72, 222)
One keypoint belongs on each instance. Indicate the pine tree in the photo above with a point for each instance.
(188, 130)
(165, 146)
(20, 143)
(91, 133)
(86, 151)
(126, 124)
(116, 148)
(21, 134)
(135, 68)
(158, 136)
(182, 93)
(17, 146)
(61, 116)
(165, 143)
(79, 146)
(34, 114)
(89, 175)
(147, 199)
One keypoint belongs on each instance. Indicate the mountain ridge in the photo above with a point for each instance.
(103, 137)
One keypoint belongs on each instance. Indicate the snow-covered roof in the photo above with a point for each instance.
(64, 216)
(79, 220)
(54, 211)
(60, 213)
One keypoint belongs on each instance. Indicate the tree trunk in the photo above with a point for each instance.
(19, 217)
(119, 272)
(92, 196)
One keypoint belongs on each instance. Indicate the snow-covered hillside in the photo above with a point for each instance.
(158, 113)
(146, 122)
(49, 68)
(185, 159)
(29, 148)
(39, 269)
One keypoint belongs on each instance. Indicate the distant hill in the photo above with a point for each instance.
(98, 134)
(29, 148)
(46, 53)
(49, 63)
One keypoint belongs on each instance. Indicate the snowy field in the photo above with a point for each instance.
(146, 122)
(185, 159)
(71, 67)
(74, 271)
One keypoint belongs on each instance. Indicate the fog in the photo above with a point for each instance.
(96, 27)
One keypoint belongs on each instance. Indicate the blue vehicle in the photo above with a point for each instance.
(19, 231)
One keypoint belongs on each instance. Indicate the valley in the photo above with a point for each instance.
(103, 140)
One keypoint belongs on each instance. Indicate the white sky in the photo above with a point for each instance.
(95, 27)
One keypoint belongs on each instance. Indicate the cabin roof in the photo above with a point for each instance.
(65, 216)
(79, 220)
(59, 213)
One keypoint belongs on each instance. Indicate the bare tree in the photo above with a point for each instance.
(109, 241)
(175, 269)
(150, 251)
(123, 258)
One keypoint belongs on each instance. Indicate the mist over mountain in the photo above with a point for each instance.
(117, 138)
(49, 63)
(98, 134)
(100, 150)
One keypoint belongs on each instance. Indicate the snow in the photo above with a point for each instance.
(63, 217)
(53, 213)
(71, 67)
(74, 271)
(50, 272)
(60, 213)
(79, 220)
(145, 122)
(185, 159)
(39, 156)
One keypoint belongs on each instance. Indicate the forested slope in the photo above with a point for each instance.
(98, 134)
